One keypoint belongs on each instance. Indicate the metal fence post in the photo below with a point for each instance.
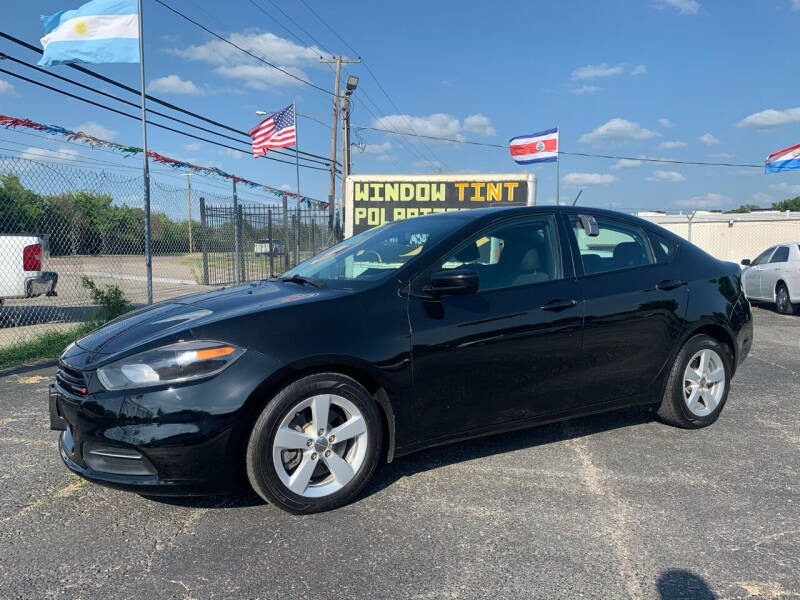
(297, 237)
(237, 257)
(204, 236)
(271, 239)
(242, 274)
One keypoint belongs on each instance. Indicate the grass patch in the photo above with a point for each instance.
(45, 345)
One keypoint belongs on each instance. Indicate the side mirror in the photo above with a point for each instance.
(453, 282)
(746, 262)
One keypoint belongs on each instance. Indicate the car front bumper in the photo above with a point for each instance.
(184, 440)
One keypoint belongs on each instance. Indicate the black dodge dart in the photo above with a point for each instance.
(414, 334)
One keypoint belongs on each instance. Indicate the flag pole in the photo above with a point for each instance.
(148, 258)
(296, 150)
(558, 169)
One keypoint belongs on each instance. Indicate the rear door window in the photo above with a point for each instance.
(617, 246)
(781, 255)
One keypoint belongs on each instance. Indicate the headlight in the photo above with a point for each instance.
(183, 361)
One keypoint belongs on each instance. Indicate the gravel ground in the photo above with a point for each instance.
(612, 506)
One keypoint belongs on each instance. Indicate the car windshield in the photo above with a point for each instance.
(375, 254)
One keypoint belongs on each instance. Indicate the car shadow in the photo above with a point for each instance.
(679, 584)
(442, 456)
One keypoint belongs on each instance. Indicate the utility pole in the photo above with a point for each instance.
(189, 208)
(349, 88)
(338, 61)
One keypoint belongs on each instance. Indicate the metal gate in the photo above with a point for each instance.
(268, 243)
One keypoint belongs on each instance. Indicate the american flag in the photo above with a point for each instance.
(276, 131)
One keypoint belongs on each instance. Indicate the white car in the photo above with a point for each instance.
(774, 276)
(23, 267)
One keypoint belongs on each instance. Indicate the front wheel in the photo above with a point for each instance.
(782, 302)
(315, 445)
(698, 384)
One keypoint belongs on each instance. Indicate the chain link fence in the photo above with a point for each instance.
(60, 223)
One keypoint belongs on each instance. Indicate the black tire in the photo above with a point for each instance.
(673, 408)
(782, 302)
(261, 470)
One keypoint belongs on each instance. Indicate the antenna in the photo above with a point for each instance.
(576, 198)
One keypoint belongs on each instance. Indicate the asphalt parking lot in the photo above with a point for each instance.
(612, 506)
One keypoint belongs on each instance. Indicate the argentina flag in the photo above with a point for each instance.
(100, 31)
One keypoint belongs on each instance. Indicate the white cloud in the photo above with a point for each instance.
(578, 179)
(708, 139)
(666, 176)
(639, 70)
(761, 196)
(231, 63)
(7, 89)
(785, 188)
(97, 130)
(428, 165)
(771, 118)
(684, 7)
(617, 130)
(62, 154)
(384, 158)
(722, 155)
(626, 163)
(234, 154)
(665, 122)
(479, 124)
(192, 147)
(376, 148)
(795, 5)
(710, 200)
(584, 89)
(173, 84)
(437, 125)
(671, 145)
(286, 187)
(595, 71)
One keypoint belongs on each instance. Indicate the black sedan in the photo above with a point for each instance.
(410, 335)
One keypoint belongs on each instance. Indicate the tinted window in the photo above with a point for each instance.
(763, 257)
(663, 247)
(511, 254)
(617, 246)
(781, 255)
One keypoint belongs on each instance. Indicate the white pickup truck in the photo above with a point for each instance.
(23, 266)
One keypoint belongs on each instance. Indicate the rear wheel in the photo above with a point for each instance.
(782, 302)
(315, 445)
(698, 384)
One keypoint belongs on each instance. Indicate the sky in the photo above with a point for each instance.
(696, 80)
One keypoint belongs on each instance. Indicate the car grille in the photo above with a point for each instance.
(71, 380)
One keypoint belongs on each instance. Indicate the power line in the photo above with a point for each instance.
(133, 104)
(374, 77)
(586, 154)
(153, 123)
(155, 99)
(227, 41)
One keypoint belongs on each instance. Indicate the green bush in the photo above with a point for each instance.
(111, 299)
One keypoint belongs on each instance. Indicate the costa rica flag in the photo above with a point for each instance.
(535, 147)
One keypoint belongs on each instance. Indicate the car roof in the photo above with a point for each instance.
(493, 213)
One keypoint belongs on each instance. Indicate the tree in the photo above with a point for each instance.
(21, 210)
(792, 204)
(744, 208)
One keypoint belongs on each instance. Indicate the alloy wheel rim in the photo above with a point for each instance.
(704, 382)
(783, 300)
(320, 445)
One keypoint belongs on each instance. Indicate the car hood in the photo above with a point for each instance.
(177, 317)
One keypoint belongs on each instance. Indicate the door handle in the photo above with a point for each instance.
(669, 284)
(559, 304)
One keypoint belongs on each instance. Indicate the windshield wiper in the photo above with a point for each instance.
(303, 280)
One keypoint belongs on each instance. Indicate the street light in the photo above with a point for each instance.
(351, 85)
